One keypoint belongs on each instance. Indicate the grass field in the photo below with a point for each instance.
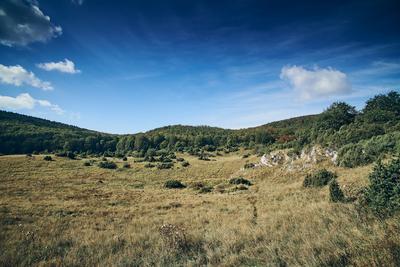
(62, 213)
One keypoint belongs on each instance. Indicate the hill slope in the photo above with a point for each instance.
(359, 136)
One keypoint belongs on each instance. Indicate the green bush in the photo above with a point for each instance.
(71, 155)
(368, 151)
(335, 193)
(249, 165)
(185, 163)
(149, 165)
(165, 165)
(180, 159)
(205, 189)
(174, 184)
(318, 179)
(383, 194)
(124, 158)
(240, 180)
(86, 163)
(107, 165)
(47, 158)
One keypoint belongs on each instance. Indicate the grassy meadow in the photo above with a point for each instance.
(62, 213)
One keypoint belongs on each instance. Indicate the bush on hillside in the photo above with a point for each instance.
(107, 165)
(165, 165)
(368, 151)
(149, 165)
(87, 163)
(71, 155)
(126, 165)
(124, 158)
(318, 179)
(335, 193)
(240, 180)
(383, 194)
(185, 164)
(47, 158)
(249, 165)
(174, 184)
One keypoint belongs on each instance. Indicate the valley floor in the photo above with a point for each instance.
(62, 213)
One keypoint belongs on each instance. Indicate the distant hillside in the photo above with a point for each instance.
(15, 118)
(340, 126)
(26, 134)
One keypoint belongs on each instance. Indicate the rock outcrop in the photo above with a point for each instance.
(286, 157)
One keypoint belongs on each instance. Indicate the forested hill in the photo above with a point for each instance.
(24, 120)
(359, 136)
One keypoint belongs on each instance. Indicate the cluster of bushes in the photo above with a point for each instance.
(202, 187)
(174, 184)
(318, 179)
(240, 181)
(185, 163)
(249, 165)
(67, 154)
(368, 151)
(165, 165)
(107, 165)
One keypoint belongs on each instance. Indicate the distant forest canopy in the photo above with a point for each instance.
(340, 126)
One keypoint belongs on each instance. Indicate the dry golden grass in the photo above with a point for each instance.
(61, 213)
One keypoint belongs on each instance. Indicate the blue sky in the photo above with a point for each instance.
(130, 66)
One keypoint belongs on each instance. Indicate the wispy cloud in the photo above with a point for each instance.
(66, 66)
(17, 75)
(26, 101)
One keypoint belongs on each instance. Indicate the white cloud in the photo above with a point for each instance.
(22, 22)
(66, 66)
(17, 75)
(316, 82)
(25, 101)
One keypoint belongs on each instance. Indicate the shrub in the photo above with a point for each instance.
(352, 155)
(126, 165)
(180, 159)
(240, 180)
(171, 184)
(107, 165)
(245, 156)
(206, 189)
(318, 179)
(47, 158)
(201, 187)
(124, 158)
(203, 157)
(249, 165)
(165, 159)
(185, 164)
(335, 193)
(71, 155)
(149, 165)
(86, 163)
(165, 165)
(383, 194)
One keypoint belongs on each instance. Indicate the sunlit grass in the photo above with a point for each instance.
(64, 213)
